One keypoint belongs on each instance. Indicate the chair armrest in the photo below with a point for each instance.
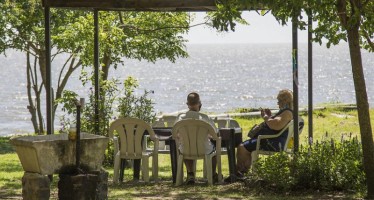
(261, 137)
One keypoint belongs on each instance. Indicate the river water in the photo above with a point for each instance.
(227, 76)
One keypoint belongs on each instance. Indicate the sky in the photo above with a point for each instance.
(261, 29)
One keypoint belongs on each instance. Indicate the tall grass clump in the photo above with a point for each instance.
(329, 165)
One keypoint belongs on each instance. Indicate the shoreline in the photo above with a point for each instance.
(254, 113)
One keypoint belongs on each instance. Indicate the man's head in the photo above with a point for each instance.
(285, 99)
(193, 101)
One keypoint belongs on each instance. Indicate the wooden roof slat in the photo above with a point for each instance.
(135, 5)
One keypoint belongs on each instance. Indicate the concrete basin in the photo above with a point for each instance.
(47, 154)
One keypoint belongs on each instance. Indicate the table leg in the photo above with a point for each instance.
(173, 159)
(136, 169)
(231, 156)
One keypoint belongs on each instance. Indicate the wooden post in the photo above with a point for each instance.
(295, 83)
(96, 65)
(310, 79)
(49, 95)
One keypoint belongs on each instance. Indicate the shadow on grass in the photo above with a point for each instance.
(11, 167)
(11, 184)
(9, 194)
(5, 146)
(166, 190)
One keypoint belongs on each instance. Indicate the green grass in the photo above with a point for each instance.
(331, 122)
(336, 122)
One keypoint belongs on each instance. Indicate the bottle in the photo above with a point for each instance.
(72, 133)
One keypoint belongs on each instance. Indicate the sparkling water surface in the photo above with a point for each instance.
(227, 76)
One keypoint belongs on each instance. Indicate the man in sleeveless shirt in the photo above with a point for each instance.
(273, 125)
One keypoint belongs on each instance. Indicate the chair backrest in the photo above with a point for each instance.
(130, 132)
(227, 123)
(289, 143)
(289, 126)
(193, 134)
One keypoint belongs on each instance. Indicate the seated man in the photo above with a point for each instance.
(194, 106)
(273, 125)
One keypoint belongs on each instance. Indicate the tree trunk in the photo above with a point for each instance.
(37, 117)
(363, 107)
(39, 109)
(105, 68)
(43, 73)
(31, 106)
(61, 86)
(42, 70)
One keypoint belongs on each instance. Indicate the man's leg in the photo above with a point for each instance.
(190, 172)
(243, 159)
(189, 165)
(214, 164)
(214, 167)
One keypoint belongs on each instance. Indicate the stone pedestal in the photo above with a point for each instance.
(102, 185)
(35, 186)
(92, 185)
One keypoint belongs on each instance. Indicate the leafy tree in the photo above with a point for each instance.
(148, 36)
(351, 21)
(133, 35)
(24, 30)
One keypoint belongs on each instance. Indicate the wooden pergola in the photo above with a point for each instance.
(164, 6)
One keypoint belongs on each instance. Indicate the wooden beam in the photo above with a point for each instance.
(136, 5)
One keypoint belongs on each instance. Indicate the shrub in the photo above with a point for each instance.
(327, 165)
(132, 106)
(275, 170)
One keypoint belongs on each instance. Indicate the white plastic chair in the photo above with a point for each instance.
(166, 121)
(193, 134)
(288, 147)
(130, 132)
(226, 123)
(169, 120)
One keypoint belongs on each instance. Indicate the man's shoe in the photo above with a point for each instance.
(215, 178)
(190, 178)
(228, 179)
(234, 177)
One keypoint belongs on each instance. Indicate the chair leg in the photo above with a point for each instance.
(145, 170)
(219, 168)
(179, 180)
(204, 170)
(117, 162)
(254, 157)
(208, 164)
(155, 167)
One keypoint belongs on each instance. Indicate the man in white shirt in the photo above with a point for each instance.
(194, 106)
